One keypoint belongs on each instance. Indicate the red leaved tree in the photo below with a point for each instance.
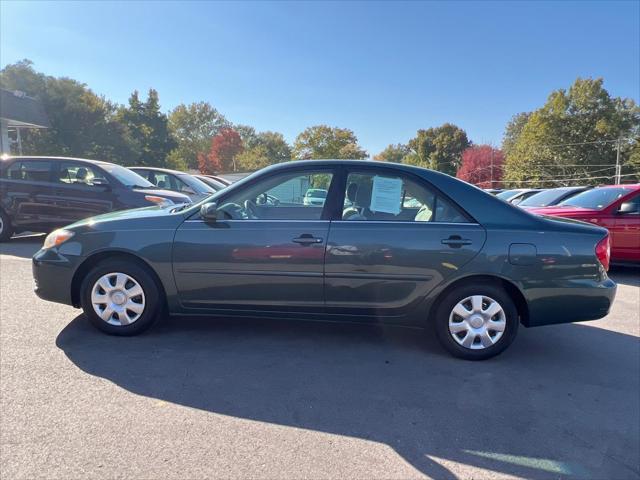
(225, 147)
(482, 165)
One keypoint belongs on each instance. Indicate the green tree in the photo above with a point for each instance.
(439, 148)
(573, 137)
(268, 148)
(193, 126)
(393, 153)
(83, 124)
(146, 130)
(513, 129)
(247, 134)
(322, 141)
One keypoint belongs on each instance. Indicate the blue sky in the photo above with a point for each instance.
(381, 69)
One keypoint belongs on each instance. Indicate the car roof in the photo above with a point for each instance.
(630, 186)
(45, 157)
(158, 169)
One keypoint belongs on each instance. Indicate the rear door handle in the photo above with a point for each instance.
(456, 241)
(307, 239)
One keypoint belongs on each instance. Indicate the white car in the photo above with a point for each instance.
(315, 196)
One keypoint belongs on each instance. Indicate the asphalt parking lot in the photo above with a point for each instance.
(202, 398)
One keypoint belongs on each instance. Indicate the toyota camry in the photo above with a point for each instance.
(390, 244)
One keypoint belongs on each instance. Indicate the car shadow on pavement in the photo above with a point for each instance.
(626, 275)
(561, 402)
(23, 246)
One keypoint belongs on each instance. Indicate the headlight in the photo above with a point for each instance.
(57, 238)
(158, 200)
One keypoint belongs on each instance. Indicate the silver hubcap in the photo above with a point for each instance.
(477, 322)
(118, 299)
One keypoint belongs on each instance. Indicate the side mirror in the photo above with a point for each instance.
(628, 207)
(101, 182)
(209, 212)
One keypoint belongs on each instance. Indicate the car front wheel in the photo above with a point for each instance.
(476, 322)
(120, 297)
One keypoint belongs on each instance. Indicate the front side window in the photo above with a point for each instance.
(30, 171)
(290, 196)
(385, 197)
(72, 173)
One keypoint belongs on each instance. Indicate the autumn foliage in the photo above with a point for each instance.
(482, 165)
(225, 147)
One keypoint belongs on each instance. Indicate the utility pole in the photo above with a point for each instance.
(618, 166)
(491, 167)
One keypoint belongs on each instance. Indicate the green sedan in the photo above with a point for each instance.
(390, 244)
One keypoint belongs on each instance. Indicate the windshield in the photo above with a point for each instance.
(545, 198)
(126, 177)
(507, 194)
(596, 199)
(198, 186)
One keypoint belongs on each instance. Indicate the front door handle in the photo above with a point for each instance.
(307, 239)
(456, 241)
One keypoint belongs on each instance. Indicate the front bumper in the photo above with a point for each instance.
(53, 275)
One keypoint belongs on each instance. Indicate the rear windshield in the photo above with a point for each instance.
(507, 193)
(544, 198)
(127, 177)
(596, 199)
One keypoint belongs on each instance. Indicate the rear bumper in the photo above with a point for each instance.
(53, 275)
(575, 301)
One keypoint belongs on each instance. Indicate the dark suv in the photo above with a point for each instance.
(44, 193)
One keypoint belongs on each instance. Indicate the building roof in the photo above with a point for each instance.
(20, 110)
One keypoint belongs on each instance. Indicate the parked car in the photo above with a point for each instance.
(212, 182)
(493, 191)
(517, 195)
(315, 196)
(220, 179)
(553, 196)
(615, 207)
(462, 262)
(175, 181)
(43, 193)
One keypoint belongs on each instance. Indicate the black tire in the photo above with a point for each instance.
(6, 229)
(458, 294)
(153, 296)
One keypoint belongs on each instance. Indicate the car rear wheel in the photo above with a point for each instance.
(120, 297)
(476, 322)
(6, 230)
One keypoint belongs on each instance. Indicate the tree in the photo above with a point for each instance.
(268, 148)
(438, 148)
(572, 138)
(393, 153)
(513, 129)
(482, 166)
(146, 130)
(225, 147)
(322, 141)
(83, 124)
(247, 134)
(193, 126)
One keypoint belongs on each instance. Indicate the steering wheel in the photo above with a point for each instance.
(250, 209)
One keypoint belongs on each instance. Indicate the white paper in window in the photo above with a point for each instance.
(386, 195)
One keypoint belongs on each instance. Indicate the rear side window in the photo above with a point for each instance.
(30, 171)
(387, 197)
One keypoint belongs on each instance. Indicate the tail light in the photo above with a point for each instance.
(603, 252)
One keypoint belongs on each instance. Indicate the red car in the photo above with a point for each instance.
(615, 207)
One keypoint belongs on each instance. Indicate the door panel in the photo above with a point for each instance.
(386, 268)
(248, 264)
(625, 243)
(77, 197)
